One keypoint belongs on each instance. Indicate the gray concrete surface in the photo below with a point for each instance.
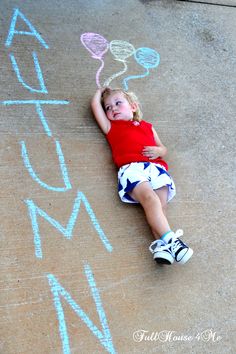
(190, 99)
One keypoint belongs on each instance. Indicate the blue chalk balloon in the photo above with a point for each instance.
(147, 57)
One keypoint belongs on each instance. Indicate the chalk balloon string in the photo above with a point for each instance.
(121, 50)
(97, 45)
(148, 58)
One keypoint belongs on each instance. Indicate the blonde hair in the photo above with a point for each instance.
(130, 96)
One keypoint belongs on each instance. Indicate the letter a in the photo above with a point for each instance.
(13, 31)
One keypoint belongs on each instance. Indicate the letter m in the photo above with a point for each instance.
(35, 211)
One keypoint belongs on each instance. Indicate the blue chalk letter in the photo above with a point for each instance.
(37, 179)
(13, 31)
(59, 292)
(38, 72)
(67, 231)
(38, 104)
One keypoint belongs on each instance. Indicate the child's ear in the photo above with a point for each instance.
(134, 106)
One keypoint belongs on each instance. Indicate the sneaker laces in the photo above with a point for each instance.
(159, 246)
(176, 242)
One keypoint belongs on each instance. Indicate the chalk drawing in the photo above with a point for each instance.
(12, 31)
(97, 45)
(38, 104)
(121, 50)
(146, 57)
(38, 72)
(59, 292)
(67, 231)
(63, 168)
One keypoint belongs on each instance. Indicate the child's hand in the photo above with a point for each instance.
(102, 89)
(99, 92)
(98, 95)
(152, 152)
(105, 88)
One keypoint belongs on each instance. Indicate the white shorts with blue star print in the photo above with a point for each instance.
(129, 176)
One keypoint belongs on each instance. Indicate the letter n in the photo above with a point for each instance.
(59, 292)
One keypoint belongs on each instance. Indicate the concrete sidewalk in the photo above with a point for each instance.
(76, 273)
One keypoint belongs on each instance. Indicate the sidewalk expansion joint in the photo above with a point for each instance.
(208, 3)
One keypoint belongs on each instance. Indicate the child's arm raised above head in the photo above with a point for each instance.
(99, 113)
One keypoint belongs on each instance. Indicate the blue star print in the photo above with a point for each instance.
(145, 165)
(130, 185)
(161, 171)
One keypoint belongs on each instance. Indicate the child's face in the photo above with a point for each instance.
(117, 107)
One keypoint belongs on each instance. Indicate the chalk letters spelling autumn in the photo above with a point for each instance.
(34, 211)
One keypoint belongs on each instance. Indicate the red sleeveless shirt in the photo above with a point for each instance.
(127, 140)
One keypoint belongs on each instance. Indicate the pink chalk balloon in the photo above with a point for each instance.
(96, 44)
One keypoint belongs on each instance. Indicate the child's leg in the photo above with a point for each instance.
(163, 194)
(152, 202)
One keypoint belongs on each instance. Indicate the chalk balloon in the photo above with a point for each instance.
(121, 49)
(96, 44)
(147, 57)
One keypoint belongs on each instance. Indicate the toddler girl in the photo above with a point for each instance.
(138, 153)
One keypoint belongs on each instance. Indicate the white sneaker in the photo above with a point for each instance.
(161, 252)
(179, 250)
